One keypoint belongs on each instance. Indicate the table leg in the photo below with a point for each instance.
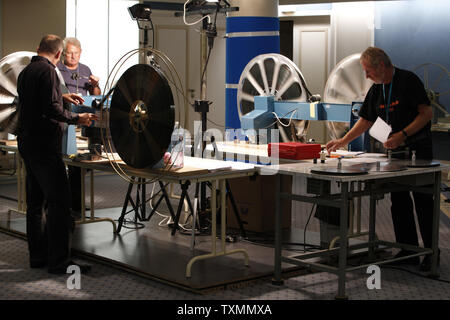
(214, 253)
(372, 221)
(278, 236)
(436, 214)
(343, 242)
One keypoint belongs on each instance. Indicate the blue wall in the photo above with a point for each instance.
(416, 32)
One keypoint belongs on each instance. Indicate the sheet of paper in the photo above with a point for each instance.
(345, 154)
(380, 130)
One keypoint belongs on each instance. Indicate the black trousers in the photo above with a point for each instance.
(402, 210)
(49, 220)
(75, 187)
(404, 203)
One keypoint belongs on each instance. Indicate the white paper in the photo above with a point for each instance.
(380, 130)
(345, 154)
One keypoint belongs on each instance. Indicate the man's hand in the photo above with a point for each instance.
(333, 145)
(85, 119)
(94, 89)
(74, 98)
(394, 141)
(93, 80)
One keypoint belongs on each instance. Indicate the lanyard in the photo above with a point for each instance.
(388, 105)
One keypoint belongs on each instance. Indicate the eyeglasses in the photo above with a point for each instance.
(77, 53)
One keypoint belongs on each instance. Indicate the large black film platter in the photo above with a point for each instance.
(142, 116)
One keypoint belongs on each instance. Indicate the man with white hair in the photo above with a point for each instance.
(399, 98)
(78, 79)
(77, 76)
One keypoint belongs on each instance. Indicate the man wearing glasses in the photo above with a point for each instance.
(77, 76)
(78, 79)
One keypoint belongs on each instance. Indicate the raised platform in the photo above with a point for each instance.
(153, 252)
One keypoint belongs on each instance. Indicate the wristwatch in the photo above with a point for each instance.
(404, 133)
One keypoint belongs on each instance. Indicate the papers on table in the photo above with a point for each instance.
(345, 154)
(380, 130)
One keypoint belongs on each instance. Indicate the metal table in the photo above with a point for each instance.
(426, 180)
(196, 170)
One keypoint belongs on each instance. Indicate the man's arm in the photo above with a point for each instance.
(74, 98)
(94, 88)
(358, 129)
(425, 115)
(84, 119)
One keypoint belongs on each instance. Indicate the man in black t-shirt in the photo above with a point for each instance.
(399, 98)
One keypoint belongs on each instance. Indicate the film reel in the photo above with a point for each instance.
(436, 81)
(10, 68)
(142, 116)
(347, 83)
(139, 117)
(276, 75)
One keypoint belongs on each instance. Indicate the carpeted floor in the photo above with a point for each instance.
(18, 282)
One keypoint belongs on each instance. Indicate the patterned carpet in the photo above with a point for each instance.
(18, 282)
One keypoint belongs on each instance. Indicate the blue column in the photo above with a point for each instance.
(247, 37)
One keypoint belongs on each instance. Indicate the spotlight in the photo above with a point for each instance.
(141, 13)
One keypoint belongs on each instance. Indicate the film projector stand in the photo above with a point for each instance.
(202, 106)
(141, 13)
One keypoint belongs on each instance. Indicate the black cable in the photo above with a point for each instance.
(306, 225)
(211, 33)
(160, 190)
(260, 238)
(153, 34)
(261, 243)
(137, 225)
(8, 198)
(206, 65)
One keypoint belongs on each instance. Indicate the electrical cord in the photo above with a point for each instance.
(306, 225)
(167, 219)
(8, 198)
(211, 34)
(267, 240)
(278, 120)
(195, 22)
(138, 224)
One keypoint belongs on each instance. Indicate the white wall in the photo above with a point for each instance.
(352, 27)
(106, 32)
(316, 29)
(1, 29)
(187, 56)
(351, 30)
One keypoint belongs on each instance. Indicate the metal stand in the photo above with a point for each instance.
(140, 203)
(184, 194)
(163, 196)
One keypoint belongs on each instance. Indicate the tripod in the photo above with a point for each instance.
(138, 206)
